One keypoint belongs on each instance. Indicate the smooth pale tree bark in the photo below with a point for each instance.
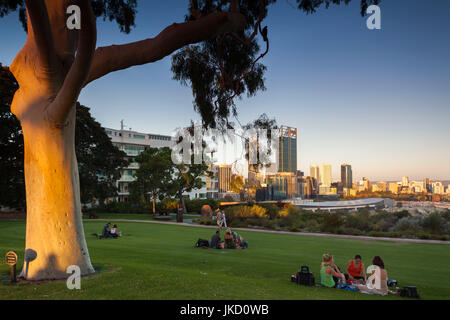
(51, 69)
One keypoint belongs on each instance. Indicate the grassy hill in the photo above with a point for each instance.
(153, 261)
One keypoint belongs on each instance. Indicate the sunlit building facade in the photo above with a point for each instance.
(325, 175)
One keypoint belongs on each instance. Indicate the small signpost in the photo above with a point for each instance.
(11, 260)
(30, 256)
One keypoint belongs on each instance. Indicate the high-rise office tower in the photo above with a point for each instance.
(325, 175)
(224, 178)
(405, 182)
(287, 152)
(427, 185)
(347, 175)
(314, 172)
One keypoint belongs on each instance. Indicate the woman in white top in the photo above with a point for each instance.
(377, 280)
(113, 231)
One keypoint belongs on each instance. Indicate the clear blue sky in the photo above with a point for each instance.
(379, 100)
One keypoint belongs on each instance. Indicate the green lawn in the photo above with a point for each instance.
(154, 261)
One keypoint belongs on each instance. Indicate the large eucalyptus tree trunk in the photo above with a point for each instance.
(51, 69)
(54, 219)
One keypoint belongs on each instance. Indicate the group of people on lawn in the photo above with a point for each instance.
(231, 241)
(109, 232)
(355, 274)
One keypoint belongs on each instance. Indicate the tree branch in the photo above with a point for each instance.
(79, 71)
(40, 31)
(174, 37)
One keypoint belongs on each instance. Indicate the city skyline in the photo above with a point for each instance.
(318, 81)
(314, 170)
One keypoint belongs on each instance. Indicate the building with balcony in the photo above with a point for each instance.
(133, 144)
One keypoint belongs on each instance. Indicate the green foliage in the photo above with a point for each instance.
(272, 210)
(378, 224)
(410, 224)
(242, 212)
(357, 221)
(332, 222)
(195, 205)
(123, 12)
(12, 179)
(434, 223)
(153, 176)
(121, 207)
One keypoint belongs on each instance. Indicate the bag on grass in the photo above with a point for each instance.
(305, 277)
(409, 292)
(202, 243)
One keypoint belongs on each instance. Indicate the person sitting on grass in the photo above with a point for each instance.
(215, 240)
(354, 269)
(329, 272)
(107, 231)
(376, 286)
(114, 232)
(229, 242)
(241, 243)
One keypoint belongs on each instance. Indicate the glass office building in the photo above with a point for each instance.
(287, 152)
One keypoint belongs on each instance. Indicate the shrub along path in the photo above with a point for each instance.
(326, 235)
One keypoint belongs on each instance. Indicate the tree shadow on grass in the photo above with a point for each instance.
(99, 270)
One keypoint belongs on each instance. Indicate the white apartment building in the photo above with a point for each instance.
(134, 143)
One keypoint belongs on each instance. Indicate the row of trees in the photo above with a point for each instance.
(158, 177)
(99, 161)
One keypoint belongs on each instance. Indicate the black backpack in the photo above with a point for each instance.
(305, 277)
(409, 292)
(202, 243)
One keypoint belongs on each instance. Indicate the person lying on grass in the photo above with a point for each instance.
(329, 272)
(377, 282)
(354, 269)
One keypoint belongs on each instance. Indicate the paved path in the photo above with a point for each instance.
(324, 235)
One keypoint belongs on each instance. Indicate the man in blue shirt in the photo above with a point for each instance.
(107, 230)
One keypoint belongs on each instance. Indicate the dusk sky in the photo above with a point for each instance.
(376, 99)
